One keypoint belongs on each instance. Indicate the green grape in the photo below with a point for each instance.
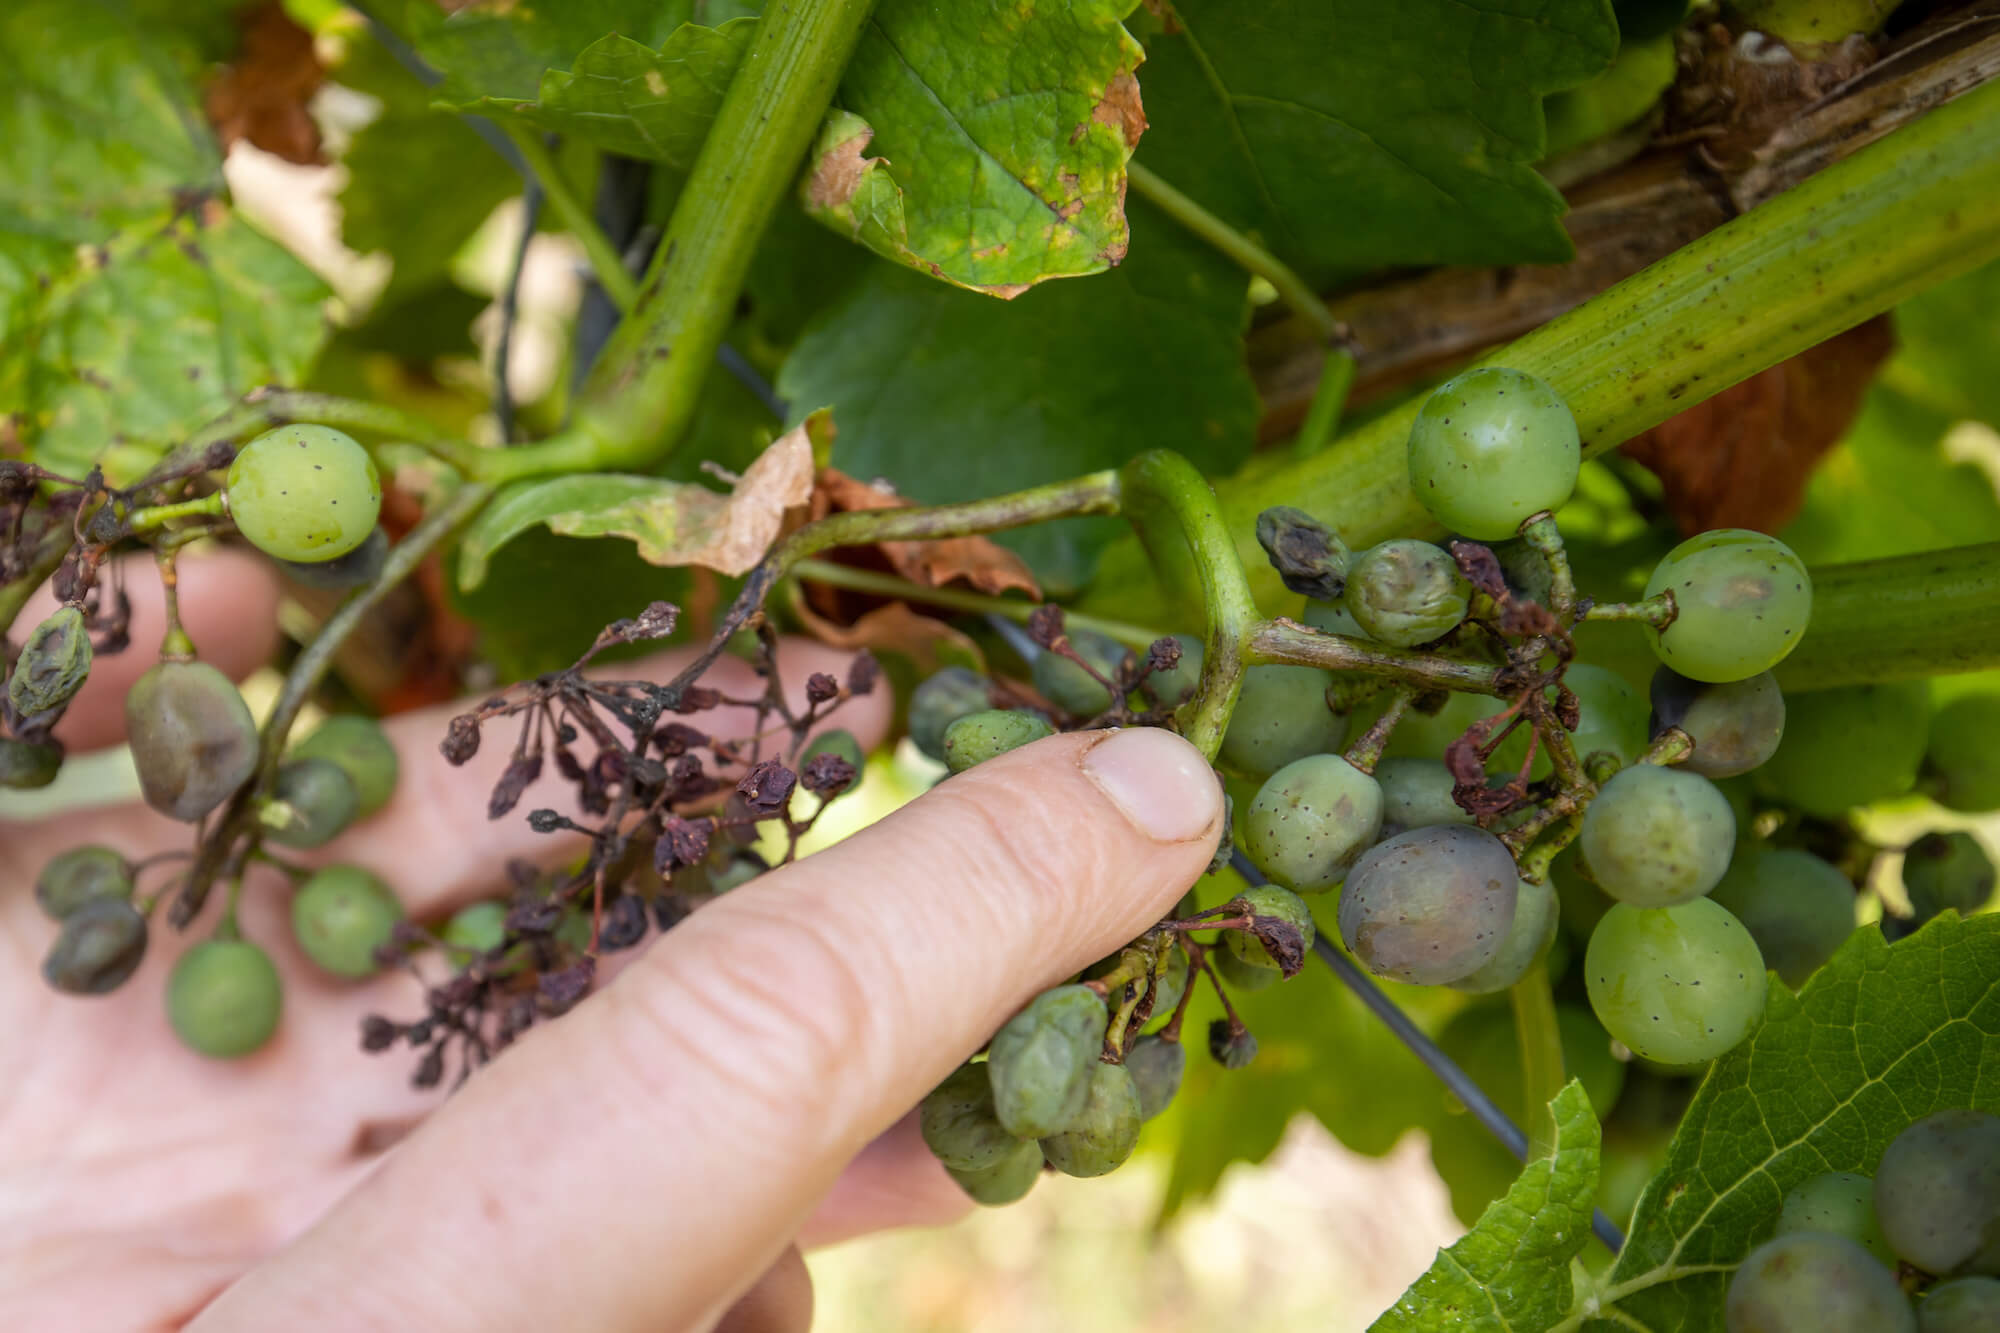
(1839, 1203)
(1813, 1282)
(1416, 793)
(1580, 902)
(1310, 820)
(1157, 1066)
(1742, 602)
(1797, 907)
(82, 875)
(1269, 900)
(1534, 927)
(1678, 985)
(1430, 906)
(193, 739)
(99, 947)
(1332, 618)
(1847, 746)
(1405, 592)
(1656, 837)
(1947, 871)
(1171, 689)
(360, 565)
(1490, 449)
(942, 699)
(978, 737)
(1937, 1193)
(1041, 1061)
(1007, 1180)
(1281, 715)
(1239, 975)
(477, 927)
(1964, 753)
(28, 765)
(1962, 1305)
(1103, 1134)
(363, 750)
(1071, 688)
(959, 1125)
(341, 916)
(1735, 725)
(304, 493)
(1428, 735)
(224, 998)
(53, 664)
(316, 799)
(1610, 717)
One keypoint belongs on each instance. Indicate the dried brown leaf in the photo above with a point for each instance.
(986, 565)
(262, 96)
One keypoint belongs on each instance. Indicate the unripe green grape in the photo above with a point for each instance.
(978, 737)
(1430, 906)
(1937, 1193)
(1947, 871)
(53, 664)
(28, 765)
(1848, 746)
(1678, 985)
(477, 927)
(1962, 1305)
(1416, 793)
(1104, 1133)
(1610, 717)
(224, 998)
(959, 1124)
(1157, 1067)
(1310, 820)
(1239, 975)
(193, 739)
(1007, 1180)
(316, 799)
(1041, 1061)
(304, 493)
(1171, 689)
(1798, 908)
(1280, 716)
(1491, 448)
(99, 947)
(1742, 603)
(1964, 753)
(361, 565)
(1840, 1203)
(1534, 926)
(1405, 592)
(1071, 688)
(341, 916)
(1656, 837)
(82, 875)
(942, 699)
(1269, 900)
(1735, 726)
(363, 750)
(1813, 1282)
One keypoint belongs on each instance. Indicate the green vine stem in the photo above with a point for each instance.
(1336, 379)
(1540, 1038)
(605, 263)
(1930, 614)
(1287, 643)
(264, 408)
(958, 599)
(154, 517)
(641, 395)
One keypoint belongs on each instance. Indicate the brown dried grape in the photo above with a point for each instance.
(193, 739)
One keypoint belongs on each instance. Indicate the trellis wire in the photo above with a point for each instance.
(510, 310)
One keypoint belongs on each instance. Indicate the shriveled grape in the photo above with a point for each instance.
(99, 947)
(224, 998)
(1174, 687)
(1797, 907)
(1812, 1282)
(1405, 592)
(1937, 1193)
(1041, 1061)
(942, 699)
(1272, 901)
(53, 665)
(193, 739)
(82, 875)
(959, 1124)
(1310, 820)
(1157, 1066)
(1735, 725)
(1104, 1132)
(1239, 975)
(1655, 837)
(978, 737)
(1007, 1180)
(1281, 715)
(28, 765)
(1678, 985)
(1431, 906)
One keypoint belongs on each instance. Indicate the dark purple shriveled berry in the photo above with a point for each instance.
(193, 740)
(100, 945)
(53, 665)
(82, 875)
(26, 765)
(1232, 1047)
(1309, 558)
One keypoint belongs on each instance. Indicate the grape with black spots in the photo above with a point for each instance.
(978, 737)
(942, 699)
(1040, 1062)
(959, 1125)
(224, 998)
(1007, 1180)
(28, 765)
(1171, 689)
(1239, 975)
(1310, 820)
(1964, 753)
(314, 799)
(1104, 1132)
(364, 752)
(1812, 1282)
(1678, 985)
(361, 565)
(1847, 746)
(477, 927)
(1281, 716)
(1742, 602)
(1430, 906)
(1405, 592)
(99, 947)
(53, 664)
(304, 493)
(1840, 1203)
(1534, 926)
(193, 739)
(341, 916)
(1416, 793)
(1157, 1066)
(1799, 909)
(1611, 717)
(1657, 837)
(1962, 1305)
(1273, 901)
(1071, 688)
(1491, 448)
(1947, 871)
(82, 875)
(1735, 725)
(1937, 1194)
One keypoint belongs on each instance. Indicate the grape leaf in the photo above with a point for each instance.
(952, 396)
(1881, 1035)
(1351, 134)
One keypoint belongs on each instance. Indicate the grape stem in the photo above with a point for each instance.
(1540, 1039)
(1659, 612)
(605, 263)
(154, 517)
(1336, 379)
(1366, 752)
(1283, 642)
(958, 599)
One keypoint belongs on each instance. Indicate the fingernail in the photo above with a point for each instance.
(1160, 782)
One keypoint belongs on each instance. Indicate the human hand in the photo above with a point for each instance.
(642, 1163)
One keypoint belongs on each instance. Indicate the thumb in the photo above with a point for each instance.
(639, 1164)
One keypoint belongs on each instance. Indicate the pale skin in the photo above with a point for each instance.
(654, 1160)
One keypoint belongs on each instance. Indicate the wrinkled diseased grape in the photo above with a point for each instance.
(1840, 1203)
(1797, 907)
(53, 664)
(304, 493)
(1157, 1066)
(1007, 1180)
(1735, 726)
(1281, 716)
(1534, 926)
(1490, 448)
(978, 737)
(314, 799)
(1405, 592)
(1104, 1133)
(1963, 1305)
(193, 739)
(1657, 837)
(1964, 753)
(1416, 793)
(1678, 985)
(959, 1124)
(941, 700)
(1170, 689)
(28, 765)
(99, 947)
(362, 750)
(1812, 1282)
(1430, 906)
(82, 875)
(341, 916)
(1071, 688)
(1040, 1062)
(1937, 1193)
(1947, 871)
(224, 998)
(1847, 746)
(1310, 820)
(1742, 603)
(1272, 901)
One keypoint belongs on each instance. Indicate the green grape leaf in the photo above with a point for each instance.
(952, 396)
(1510, 1273)
(1881, 1035)
(1352, 134)
(984, 142)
